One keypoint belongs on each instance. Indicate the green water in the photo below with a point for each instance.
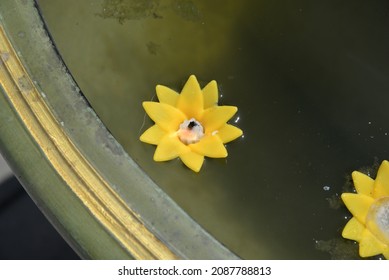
(310, 79)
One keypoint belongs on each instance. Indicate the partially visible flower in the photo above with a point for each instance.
(370, 208)
(189, 125)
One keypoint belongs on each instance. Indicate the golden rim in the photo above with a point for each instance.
(93, 191)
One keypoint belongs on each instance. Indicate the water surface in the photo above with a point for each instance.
(310, 79)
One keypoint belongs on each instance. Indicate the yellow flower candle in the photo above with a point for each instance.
(370, 208)
(189, 125)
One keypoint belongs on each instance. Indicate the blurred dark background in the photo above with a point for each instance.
(25, 233)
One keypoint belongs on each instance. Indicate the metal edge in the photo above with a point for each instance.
(94, 192)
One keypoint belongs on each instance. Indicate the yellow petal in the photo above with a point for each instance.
(192, 160)
(190, 101)
(358, 205)
(167, 95)
(228, 132)
(210, 93)
(164, 115)
(363, 183)
(353, 230)
(386, 253)
(210, 146)
(370, 245)
(381, 184)
(153, 135)
(215, 117)
(169, 148)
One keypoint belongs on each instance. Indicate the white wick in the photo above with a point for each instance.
(190, 131)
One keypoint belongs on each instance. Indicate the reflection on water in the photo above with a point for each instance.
(309, 79)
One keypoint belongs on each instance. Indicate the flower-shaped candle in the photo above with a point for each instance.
(370, 208)
(189, 125)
